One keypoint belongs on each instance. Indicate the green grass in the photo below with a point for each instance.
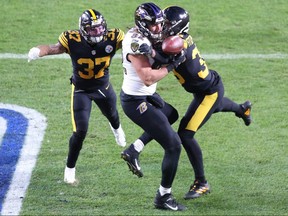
(246, 166)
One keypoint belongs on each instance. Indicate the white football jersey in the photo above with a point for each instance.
(132, 84)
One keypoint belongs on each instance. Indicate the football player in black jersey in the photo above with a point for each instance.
(91, 49)
(208, 91)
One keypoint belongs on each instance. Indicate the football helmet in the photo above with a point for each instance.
(149, 14)
(92, 26)
(176, 21)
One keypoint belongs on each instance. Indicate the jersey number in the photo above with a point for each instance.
(202, 74)
(88, 72)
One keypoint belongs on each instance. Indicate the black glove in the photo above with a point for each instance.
(145, 49)
(161, 57)
(177, 60)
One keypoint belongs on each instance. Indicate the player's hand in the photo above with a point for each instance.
(145, 49)
(177, 60)
(33, 53)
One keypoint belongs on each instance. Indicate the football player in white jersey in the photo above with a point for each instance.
(143, 105)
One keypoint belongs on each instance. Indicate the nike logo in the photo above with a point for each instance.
(137, 166)
(77, 91)
(107, 86)
(101, 93)
(171, 207)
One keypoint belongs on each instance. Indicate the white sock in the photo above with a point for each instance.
(164, 191)
(138, 145)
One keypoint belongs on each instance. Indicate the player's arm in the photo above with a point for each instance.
(43, 50)
(143, 68)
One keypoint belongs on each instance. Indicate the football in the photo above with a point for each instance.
(173, 45)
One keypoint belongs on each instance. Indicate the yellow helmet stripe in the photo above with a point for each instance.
(93, 14)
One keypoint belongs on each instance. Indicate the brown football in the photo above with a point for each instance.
(173, 45)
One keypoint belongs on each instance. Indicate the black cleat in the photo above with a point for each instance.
(167, 202)
(132, 161)
(197, 189)
(246, 113)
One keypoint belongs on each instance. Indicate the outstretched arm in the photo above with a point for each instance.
(43, 50)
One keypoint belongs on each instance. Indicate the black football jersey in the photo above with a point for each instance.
(91, 62)
(194, 74)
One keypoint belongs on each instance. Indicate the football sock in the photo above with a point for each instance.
(138, 145)
(164, 191)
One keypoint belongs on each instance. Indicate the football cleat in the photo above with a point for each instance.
(167, 202)
(246, 113)
(131, 157)
(119, 135)
(197, 189)
(69, 175)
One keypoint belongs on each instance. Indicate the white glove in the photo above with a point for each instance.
(33, 53)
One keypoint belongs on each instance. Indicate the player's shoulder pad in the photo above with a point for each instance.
(136, 42)
(63, 38)
(116, 30)
(71, 32)
(188, 41)
(118, 33)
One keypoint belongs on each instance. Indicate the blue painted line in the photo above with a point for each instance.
(10, 148)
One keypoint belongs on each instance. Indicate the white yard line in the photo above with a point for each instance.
(206, 56)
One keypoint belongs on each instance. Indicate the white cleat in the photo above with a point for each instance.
(119, 135)
(69, 175)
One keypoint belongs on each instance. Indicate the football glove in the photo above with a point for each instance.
(145, 49)
(33, 54)
(177, 60)
(148, 50)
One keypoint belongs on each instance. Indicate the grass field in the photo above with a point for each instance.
(247, 167)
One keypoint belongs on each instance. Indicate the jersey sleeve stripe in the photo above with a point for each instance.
(64, 42)
(120, 38)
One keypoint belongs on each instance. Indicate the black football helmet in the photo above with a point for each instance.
(148, 14)
(92, 26)
(176, 21)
